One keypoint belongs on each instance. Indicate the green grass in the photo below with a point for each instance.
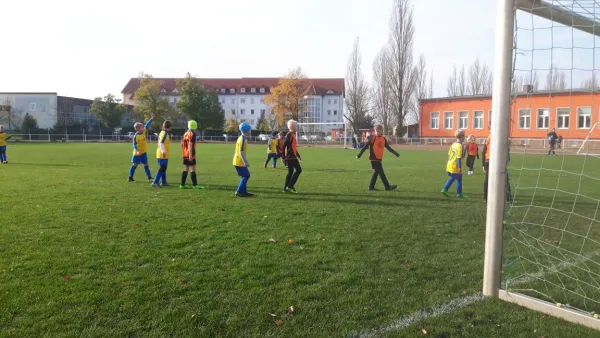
(186, 263)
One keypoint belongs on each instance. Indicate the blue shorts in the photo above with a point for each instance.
(271, 155)
(243, 171)
(457, 176)
(142, 159)
(163, 162)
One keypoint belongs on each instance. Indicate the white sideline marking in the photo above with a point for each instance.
(459, 303)
(421, 315)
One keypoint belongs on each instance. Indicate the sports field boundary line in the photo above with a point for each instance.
(458, 303)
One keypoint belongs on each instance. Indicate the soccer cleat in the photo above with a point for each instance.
(391, 187)
(373, 189)
(150, 179)
(130, 179)
(155, 185)
(461, 196)
(275, 168)
(199, 187)
(240, 194)
(165, 185)
(445, 193)
(249, 194)
(290, 191)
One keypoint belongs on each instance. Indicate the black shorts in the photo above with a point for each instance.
(188, 162)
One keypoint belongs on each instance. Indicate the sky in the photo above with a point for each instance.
(91, 48)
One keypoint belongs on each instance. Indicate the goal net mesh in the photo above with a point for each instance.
(551, 246)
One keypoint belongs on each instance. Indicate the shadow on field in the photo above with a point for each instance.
(337, 170)
(50, 164)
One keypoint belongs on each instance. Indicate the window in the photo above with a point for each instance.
(251, 111)
(242, 111)
(524, 118)
(448, 120)
(262, 111)
(543, 118)
(223, 90)
(242, 90)
(584, 117)
(434, 120)
(242, 100)
(329, 112)
(262, 90)
(233, 112)
(329, 101)
(162, 90)
(335, 112)
(335, 101)
(478, 119)
(252, 90)
(232, 90)
(262, 100)
(463, 119)
(32, 106)
(562, 118)
(232, 101)
(252, 100)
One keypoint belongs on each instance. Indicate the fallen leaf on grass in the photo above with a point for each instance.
(185, 286)
(291, 241)
(67, 277)
(292, 310)
(272, 315)
(137, 224)
(278, 322)
(273, 240)
(424, 331)
(195, 201)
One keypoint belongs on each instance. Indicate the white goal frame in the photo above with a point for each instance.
(501, 101)
(580, 152)
(329, 124)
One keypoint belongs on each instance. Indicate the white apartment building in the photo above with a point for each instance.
(243, 99)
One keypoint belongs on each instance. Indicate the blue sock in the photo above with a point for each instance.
(163, 177)
(459, 186)
(132, 170)
(147, 170)
(275, 162)
(245, 183)
(240, 188)
(449, 183)
(157, 177)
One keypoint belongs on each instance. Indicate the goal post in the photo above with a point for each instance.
(323, 134)
(542, 244)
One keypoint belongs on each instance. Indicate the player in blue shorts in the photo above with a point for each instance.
(162, 155)
(240, 161)
(140, 148)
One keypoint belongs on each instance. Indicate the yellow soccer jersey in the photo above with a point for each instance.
(455, 155)
(164, 143)
(139, 143)
(239, 158)
(3, 138)
(272, 148)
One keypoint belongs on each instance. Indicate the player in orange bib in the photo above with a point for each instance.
(376, 145)
(291, 158)
(472, 152)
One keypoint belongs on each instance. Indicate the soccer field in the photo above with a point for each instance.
(84, 253)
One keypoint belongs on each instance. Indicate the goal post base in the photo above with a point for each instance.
(585, 319)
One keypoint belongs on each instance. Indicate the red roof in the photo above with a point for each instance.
(321, 86)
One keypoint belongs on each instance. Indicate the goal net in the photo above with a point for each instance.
(326, 134)
(550, 227)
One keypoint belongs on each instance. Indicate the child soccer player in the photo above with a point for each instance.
(472, 152)
(377, 144)
(162, 154)
(272, 151)
(188, 150)
(140, 147)
(454, 165)
(3, 138)
(292, 158)
(240, 162)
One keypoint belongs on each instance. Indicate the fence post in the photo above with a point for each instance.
(29, 134)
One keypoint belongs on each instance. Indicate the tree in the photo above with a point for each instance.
(231, 126)
(9, 115)
(109, 111)
(555, 79)
(357, 90)
(591, 83)
(149, 101)
(402, 77)
(285, 98)
(519, 83)
(479, 82)
(262, 124)
(29, 124)
(452, 86)
(381, 91)
(199, 104)
(367, 122)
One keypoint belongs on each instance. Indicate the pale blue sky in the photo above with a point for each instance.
(90, 48)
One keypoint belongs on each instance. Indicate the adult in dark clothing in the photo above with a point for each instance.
(552, 138)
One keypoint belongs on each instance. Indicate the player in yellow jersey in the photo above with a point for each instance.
(3, 138)
(454, 165)
(240, 161)
(140, 149)
(272, 152)
(162, 155)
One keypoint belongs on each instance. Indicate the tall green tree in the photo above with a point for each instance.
(262, 124)
(199, 104)
(29, 124)
(149, 100)
(108, 110)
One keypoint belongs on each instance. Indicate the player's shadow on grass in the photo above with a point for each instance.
(51, 164)
(336, 170)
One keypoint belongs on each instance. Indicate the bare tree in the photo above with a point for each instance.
(462, 82)
(556, 80)
(591, 83)
(402, 79)
(381, 91)
(430, 85)
(520, 82)
(357, 90)
(475, 86)
(420, 72)
(452, 86)
(9, 115)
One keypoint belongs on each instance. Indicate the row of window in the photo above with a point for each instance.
(243, 111)
(563, 119)
(243, 90)
(242, 101)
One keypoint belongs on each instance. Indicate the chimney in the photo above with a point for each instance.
(527, 88)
